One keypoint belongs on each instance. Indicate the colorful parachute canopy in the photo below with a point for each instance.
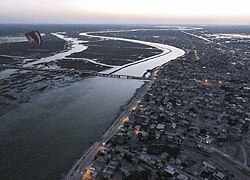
(34, 37)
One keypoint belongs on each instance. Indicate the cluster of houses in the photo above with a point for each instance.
(189, 124)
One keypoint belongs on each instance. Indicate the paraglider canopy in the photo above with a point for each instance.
(34, 37)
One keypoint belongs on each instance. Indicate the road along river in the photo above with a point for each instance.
(40, 139)
(133, 69)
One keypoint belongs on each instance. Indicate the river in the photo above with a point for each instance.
(140, 67)
(42, 139)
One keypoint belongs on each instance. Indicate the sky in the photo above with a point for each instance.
(126, 11)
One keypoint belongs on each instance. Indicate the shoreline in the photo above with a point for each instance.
(72, 116)
(88, 155)
(116, 69)
(118, 121)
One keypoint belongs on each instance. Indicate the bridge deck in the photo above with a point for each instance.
(73, 71)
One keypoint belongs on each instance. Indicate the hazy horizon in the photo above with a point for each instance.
(205, 12)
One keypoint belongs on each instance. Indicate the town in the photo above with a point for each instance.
(192, 123)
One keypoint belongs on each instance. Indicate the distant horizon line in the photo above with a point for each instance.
(142, 24)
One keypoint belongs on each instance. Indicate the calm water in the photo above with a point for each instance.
(42, 139)
(138, 69)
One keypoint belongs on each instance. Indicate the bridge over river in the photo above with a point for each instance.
(74, 71)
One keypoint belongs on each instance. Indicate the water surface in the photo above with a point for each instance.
(42, 138)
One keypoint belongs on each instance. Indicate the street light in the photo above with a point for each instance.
(126, 119)
(133, 108)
